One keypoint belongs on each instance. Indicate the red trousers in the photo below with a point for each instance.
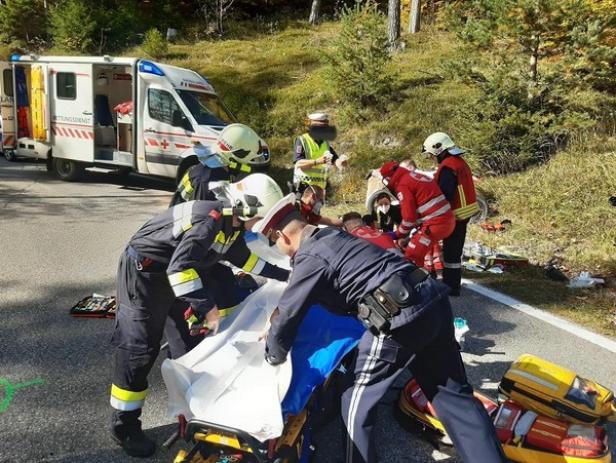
(425, 238)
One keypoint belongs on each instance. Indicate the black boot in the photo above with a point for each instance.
(126, 431)
(136, 444)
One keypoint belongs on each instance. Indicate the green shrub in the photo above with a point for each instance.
(154, 44)
(358, 62)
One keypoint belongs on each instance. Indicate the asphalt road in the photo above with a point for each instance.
(61, 241)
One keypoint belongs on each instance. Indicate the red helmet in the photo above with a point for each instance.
(387, 171)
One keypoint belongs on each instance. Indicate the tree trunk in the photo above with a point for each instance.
(534, 59)
(393, 13)
(314, 12)
(220, 15)
(414, 16)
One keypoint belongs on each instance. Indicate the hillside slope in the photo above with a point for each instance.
(271, 80)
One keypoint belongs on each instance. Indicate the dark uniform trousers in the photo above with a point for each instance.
(147, 307)
(427, 345)
(453, 247)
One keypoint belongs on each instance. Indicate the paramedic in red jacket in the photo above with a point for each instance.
(424, 208)
(455, 180)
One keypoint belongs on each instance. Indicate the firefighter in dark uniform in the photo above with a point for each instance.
(455, 179)
(236, 153)
(171, 258)
(410, 324)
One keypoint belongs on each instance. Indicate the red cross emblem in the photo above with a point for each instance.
(164, 144)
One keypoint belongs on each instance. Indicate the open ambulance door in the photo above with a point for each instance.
(7, 111)
(72, 117)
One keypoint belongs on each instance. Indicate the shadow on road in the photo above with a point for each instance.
(35, 170)
(28, 190)
(68, 414)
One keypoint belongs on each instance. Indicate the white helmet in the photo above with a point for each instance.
(254, 195)
(438, 142)
(239, 143)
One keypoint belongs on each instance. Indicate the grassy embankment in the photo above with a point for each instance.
(271, 79)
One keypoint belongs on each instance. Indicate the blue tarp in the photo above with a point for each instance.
(322, 341)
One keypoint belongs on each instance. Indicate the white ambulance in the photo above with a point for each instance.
(111, 112)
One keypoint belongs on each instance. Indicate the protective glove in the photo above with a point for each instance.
(403, 242)
(342, 161)
(328, 157)
(199, 324)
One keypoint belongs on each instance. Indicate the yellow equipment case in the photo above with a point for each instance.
(578, 444)
(554, 391)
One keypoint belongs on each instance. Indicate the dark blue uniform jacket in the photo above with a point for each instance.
(332, 268)
(188, 240)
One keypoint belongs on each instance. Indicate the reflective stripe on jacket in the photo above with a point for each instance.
(421, 201)
(316, 175)
(465, 200)
(188, 240)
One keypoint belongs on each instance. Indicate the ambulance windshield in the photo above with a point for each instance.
(206, 108)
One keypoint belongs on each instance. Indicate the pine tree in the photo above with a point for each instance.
(532, 60)
(361, 53)
(74, 26)
(23, 20)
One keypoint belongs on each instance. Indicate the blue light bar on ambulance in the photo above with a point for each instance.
(15, 57)
(150, 68)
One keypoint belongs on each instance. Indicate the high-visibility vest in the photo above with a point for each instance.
(316, 175)
(465, 200)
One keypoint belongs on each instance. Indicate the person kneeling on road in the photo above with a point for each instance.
(173, 260)
(424, 208)
(409, 320)
(236, 152)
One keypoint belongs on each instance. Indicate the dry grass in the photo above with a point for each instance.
(560, 209)
(271, 80)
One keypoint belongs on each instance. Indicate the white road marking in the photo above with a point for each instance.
(544, 316)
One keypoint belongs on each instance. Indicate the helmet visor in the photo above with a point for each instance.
(455, 151)
(213, 162)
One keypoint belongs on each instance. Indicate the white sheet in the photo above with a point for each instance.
(225, 379)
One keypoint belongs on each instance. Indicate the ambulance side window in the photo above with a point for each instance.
(161, 105)
(7, 82)
(66, 88)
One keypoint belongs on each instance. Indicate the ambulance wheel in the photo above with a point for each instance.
(67, 170)
(9, 155)
(123, 173)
